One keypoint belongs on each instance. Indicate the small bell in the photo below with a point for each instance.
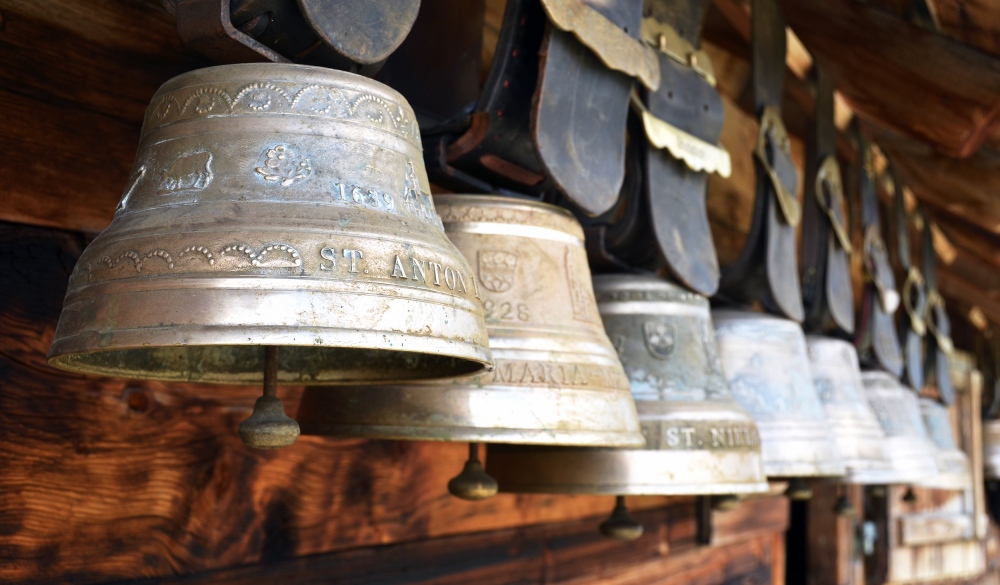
(557, 380)
(270, 205)
(910, 452)
(699, 440)
(955, 470)
(859, 437)
(910, 497)
(767, 366)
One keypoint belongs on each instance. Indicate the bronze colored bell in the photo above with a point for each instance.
(859, 437)
(558, 379)
(698, 440)
(954, 467)
(765, 360)
(272, 205)
(991, 449)
(909, 450)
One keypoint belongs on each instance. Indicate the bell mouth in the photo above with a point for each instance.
(244, 364)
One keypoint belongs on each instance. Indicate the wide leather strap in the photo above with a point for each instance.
(767, 270)
(581, 106)
(914, 297)
(875, 339)
(826, 274)
(939, 343)
(688, 108)
(550, 121)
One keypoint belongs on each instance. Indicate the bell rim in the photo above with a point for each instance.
(582, 439)
(62, 352)
(511, 479)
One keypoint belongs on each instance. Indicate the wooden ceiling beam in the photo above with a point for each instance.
(901, 76)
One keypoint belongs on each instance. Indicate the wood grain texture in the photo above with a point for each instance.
(569, 552)
(75, 80)
(906, 78)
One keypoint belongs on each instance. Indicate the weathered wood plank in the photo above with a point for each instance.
(75, 80)
(565, 553)
(908, 79)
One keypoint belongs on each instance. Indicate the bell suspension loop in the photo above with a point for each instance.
(473, 483)
(269, 427)
(620, 525)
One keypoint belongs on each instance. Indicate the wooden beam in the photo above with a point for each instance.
(569, 552)
(75, 80)
(900, 76)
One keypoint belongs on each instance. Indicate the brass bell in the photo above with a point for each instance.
(272, 205)
(909, 450)
(765, 361)
(859, 437)
(557, 380)
(698, 440)
(954, 467)
(991, 449)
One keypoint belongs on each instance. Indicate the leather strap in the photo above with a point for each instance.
(914, 297)
(826, 273)
(939, 343)
(664, 190)
(767, 270)
(876, 340)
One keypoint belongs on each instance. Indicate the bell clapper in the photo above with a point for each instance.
(725, 502)
(845, 507)
(909, 497)
(620, 525)
(798, 490)
(269, 427)
(473, 483)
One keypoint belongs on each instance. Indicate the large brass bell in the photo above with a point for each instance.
(698, 440)
(271, 205)
(954, 467)
(557, 381)
(765, 360)
(859, 437)
(909, 450)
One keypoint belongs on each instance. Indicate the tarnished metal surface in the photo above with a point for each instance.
(955, 470)
(616, 49)
(991, 449)
(274, 205)
(859, 437)
(765, 361)
(907, 445)
(698, 440)
(557, 379)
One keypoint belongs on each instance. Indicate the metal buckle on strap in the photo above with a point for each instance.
(772, 130)
(697, 154)
(662, 36)
(830, 194)
(611, 44)
(915, 279)
(944, 342)
(876, 258)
